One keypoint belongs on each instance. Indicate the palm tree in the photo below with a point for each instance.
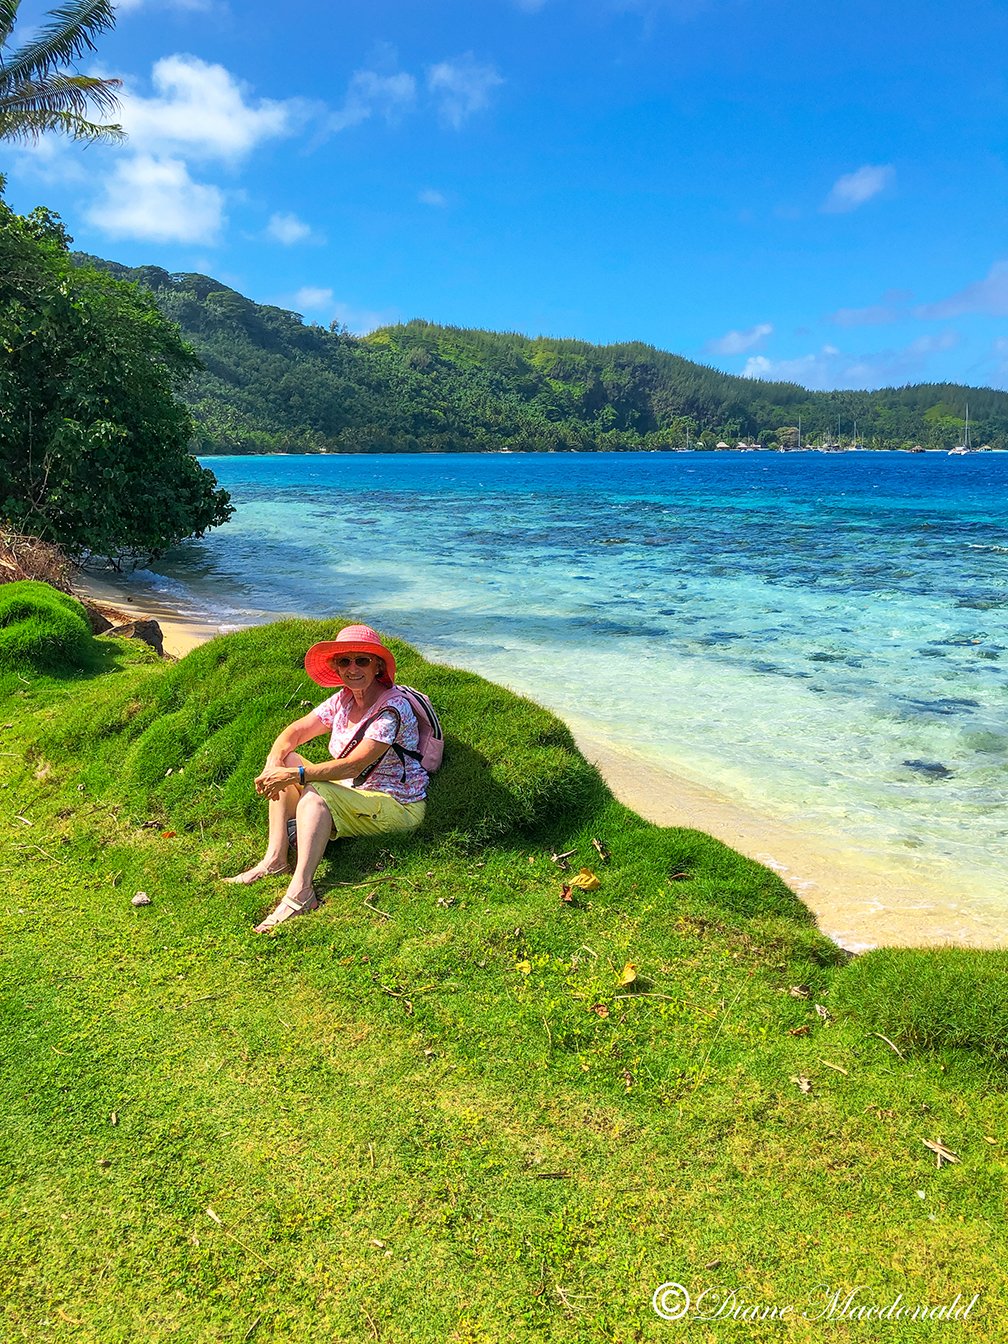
(37, 95)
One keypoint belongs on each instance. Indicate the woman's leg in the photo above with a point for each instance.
(281, 809)
(314, 829)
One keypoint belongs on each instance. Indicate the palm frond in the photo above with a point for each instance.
(8, 18)
(78, 94)
(31, 125)
(70, 34)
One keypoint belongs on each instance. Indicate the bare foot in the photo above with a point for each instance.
(261, 869)
(287, 909)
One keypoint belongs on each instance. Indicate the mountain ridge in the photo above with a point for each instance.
(272, 383)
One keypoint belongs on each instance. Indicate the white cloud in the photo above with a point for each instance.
(737, 342)
(371, 94)
(831, 367)
(157, 200)
(854, 189)
(987, 297)
(310, 299)
(461, 87)
(53, 159)
(288, 229)
(320, 302)
(814, 370)
(202, 111)
(362, 320)
(431, 197)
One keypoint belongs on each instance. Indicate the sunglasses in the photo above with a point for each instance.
(362, 660)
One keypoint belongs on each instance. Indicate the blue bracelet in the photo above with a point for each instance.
(300, 774)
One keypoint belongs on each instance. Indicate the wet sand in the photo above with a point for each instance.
(857, 901)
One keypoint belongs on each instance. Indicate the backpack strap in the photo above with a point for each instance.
(400, 751)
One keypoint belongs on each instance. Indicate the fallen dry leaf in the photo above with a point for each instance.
(805, 1084)
(629, 974)
(586, 880)
(600, 848)
(167, 835)
(799, 991)
(141, 898)
(799, 1031)
(566, 894)
(824, 1013)
(599, 1009)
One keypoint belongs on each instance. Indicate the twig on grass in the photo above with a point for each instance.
(367, 1316)
(294, 693)
(237, 1240)
(251, 1330)
(837, 1067)
(51, 857)
(942, 1154)
(549, 1034)
(720, 1028)
(889, 1044)
(373, 908)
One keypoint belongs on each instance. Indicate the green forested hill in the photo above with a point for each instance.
(271, 383)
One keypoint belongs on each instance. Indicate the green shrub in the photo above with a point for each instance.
(930, 999)
(42, 629)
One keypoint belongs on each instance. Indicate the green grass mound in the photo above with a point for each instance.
(450, 1104)
(956, 998)
(42, 630)
(187, 739)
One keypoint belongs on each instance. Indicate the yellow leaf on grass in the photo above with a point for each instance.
(586, 880)
(629, 974)
(524, 966)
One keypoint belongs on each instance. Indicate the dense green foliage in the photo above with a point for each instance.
(37, 93)
(94, 444)
(272, 384)
(436, 1109)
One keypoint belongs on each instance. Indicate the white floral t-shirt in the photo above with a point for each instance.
(387, 776)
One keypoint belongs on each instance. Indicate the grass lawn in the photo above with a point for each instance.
(450, 1105)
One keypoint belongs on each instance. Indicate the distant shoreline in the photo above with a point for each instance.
(857, 901)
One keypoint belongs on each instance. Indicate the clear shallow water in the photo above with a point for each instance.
(821, 637)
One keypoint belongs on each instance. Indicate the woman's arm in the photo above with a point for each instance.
(276, 777)
(294, 735)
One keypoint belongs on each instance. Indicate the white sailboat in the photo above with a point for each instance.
(961, 449)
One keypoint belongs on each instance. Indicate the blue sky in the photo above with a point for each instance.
(814, 192)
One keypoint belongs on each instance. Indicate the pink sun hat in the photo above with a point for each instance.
(320, 660)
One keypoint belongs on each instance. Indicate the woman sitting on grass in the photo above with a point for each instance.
(312, 804)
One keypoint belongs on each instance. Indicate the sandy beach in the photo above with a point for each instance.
(857, 901)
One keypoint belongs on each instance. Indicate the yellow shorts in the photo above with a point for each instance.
(367, 811)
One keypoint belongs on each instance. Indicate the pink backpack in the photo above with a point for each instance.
(430, 747)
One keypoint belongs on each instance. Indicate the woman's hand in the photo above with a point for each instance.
(274, 779)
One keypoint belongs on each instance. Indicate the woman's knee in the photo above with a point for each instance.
(311, 804)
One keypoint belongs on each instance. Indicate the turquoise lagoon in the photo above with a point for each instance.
(821, 638)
